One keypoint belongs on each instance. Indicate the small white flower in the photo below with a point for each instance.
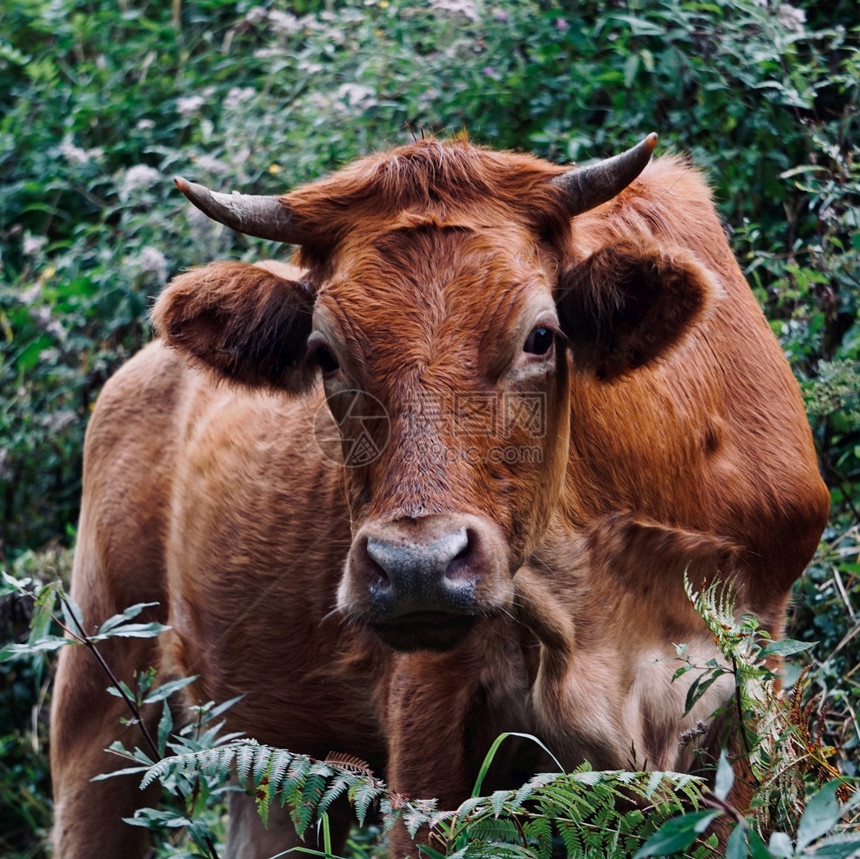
(306, 67)
(319, 101)
(284, 23)
(33, 245)
(210, 164)
(28, 296)
(255, 15)
(43, 319)
(467, 8)
(268, 53)
(153, 261)
(356, 95)
(57, 421)
(790, 17)
(73, 154)
(187, 105)
(145, 125)
(139, 176)
(56, 328)
(237, 97)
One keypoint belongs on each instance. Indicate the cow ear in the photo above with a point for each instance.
(248, 323)
(629, 303)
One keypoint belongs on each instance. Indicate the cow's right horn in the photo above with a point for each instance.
(589, 186)
(266, 217)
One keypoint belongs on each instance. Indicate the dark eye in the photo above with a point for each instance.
(539, 342)
(326, 359)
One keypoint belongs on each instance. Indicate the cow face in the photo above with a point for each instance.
(447, 327)
(455, 335)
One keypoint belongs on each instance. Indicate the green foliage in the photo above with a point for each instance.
(194, 799)
(579, 807)
(25, 807)
(785, 762)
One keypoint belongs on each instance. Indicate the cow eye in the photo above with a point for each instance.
(326, 359)
(540, 341)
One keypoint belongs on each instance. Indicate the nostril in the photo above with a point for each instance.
(460, 566)
(374, 564)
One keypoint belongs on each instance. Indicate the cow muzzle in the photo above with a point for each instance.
(422, 583)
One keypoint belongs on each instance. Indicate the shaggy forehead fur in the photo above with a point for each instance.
(427, 298)
(453, 183)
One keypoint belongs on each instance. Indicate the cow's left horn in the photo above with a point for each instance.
(260, 216)
(587, 187)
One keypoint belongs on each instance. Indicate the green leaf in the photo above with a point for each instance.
(46, 645)
(134, 630)
(128, 614)
(786, 647)
(757, 847)
(780, 845)
(43, 612)
(223, 707)
(698, 688)
(165, 727)
(677, 834)
(488, 758)
(119, 688)
(725, 777)
(836, 847)
(245, 755)
(167, 689)
(736, 846)
(114, 773)
(821, 814)
(31, 354)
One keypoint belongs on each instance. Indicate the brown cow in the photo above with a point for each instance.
(553, 393)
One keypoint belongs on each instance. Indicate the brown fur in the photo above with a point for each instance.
(673, 439)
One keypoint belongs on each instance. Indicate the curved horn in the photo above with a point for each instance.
(587, 187)
(263, 217)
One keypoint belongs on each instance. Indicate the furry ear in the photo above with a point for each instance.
(248, 323)
(629, 302)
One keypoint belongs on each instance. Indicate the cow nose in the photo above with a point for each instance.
(417, 574)
(406, 564)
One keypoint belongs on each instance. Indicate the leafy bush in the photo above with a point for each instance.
(101, 102)
(590, 813)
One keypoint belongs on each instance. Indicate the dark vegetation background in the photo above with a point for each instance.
(101, 101)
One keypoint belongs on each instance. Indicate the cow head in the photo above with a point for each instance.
(448, 311)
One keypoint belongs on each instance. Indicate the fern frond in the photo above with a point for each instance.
(538, 831)
(245, 760)
(362, 795)
(492, 829)
(349, 762)
(278, 768)
(261, 763)
(338, 786)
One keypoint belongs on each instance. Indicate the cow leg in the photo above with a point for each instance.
(248, 838)
(85, 720)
